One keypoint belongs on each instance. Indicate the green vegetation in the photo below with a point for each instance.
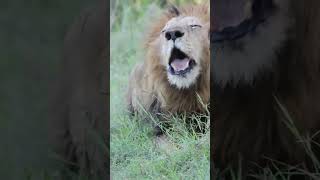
(134, 154)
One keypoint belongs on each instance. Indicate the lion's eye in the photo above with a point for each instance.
(194, 26)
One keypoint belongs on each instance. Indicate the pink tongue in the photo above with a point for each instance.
(180, 64)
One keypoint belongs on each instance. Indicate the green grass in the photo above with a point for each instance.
(134, 154)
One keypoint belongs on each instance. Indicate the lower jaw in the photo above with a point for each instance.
(182, 73)
(180, 82)
(178, 75)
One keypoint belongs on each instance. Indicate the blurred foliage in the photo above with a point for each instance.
(131, 10)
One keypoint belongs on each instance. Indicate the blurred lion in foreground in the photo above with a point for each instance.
(78, 116)
(174, 76)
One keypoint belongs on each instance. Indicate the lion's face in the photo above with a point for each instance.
(183, 41)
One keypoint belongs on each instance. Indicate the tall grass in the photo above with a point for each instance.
(278, 170)
(134, 153)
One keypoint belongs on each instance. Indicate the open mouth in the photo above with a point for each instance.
(179, 63)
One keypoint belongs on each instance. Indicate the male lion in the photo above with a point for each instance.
(176, 68)
(79, 104)
(265, 82)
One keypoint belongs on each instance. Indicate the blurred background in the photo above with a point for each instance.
(31, 39)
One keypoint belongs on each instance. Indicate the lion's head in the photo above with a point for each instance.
(182, 44)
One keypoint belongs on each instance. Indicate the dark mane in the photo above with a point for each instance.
(249, 121)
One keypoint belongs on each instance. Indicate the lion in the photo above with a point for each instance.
(265, 83)
(78, 114)
(175, 74)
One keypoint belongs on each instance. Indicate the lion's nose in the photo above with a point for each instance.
(173, 35)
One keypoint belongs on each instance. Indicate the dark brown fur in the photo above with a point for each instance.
(78, 119)
(248, 123)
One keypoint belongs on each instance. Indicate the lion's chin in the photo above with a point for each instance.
(186, 81)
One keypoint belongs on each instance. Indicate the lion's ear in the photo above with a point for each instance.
(173, 10)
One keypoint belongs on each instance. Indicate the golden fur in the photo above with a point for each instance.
(149, 87)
